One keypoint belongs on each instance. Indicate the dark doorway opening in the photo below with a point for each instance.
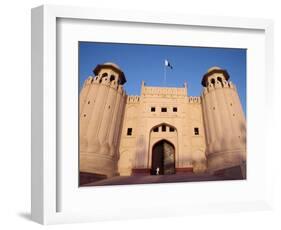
(163, 158)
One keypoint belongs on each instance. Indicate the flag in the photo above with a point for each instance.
(168, 64)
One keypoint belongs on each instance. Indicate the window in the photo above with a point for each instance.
(129, 131)
(112, 78)
(164, 110)
(152, 109)
(104, 75)
(220, 80)
(196, 131)
(175, 109)
(155, 129)
(88, 102)
(163, 128)
(172, 129)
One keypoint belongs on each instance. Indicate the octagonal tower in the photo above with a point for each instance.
(224, 120)
(102, 102)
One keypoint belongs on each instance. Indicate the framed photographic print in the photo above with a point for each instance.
(134, 110)
(163, 134)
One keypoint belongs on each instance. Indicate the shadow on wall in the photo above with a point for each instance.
(25, 215)
(140, 151)
(243, 130)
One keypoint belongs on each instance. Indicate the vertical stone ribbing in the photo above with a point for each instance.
(84, 92)
(206, 120)
(87, 112)
(229, 105)
(217, 119)
(206, 127)
(94, 125)
(114, 121)
(119, 119)
(106, 120)
(224, 140)
(119, 128)
(210, 118)
(100, 120)
(225, 147)
(239, 110)
(240, 124)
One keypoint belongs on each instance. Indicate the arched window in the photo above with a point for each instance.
(112, 78)
(156, 129)
(104, 75)
(213, 81)
(220, 80)
(163, 128)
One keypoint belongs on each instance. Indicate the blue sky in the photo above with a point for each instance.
(146, 62)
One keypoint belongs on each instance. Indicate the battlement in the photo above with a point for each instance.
(218, 85)
(164, 91)
(98, 80)
(194, 99)
(133, 99)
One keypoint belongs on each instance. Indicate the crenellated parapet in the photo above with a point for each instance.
(88, 81)
(192, 99)
(102, 80)
(151, 91)
(133, 99)
(218, 83)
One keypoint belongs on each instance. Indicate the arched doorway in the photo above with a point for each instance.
(163, 158)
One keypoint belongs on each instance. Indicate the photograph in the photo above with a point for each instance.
(150, 113)
(153, 113)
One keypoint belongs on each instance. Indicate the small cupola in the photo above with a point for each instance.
(213, 75)
(112, 71)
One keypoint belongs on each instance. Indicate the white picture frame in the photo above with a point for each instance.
(50, 192)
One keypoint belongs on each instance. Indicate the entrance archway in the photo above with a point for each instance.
(163, 158)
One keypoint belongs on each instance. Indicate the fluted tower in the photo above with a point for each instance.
(102, 102)
(224, 120)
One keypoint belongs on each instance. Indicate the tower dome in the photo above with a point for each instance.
(114, 67)
(211, 71)
(213, 68)
(112, 64)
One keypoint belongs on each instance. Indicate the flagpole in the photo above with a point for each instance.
(164, 75)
